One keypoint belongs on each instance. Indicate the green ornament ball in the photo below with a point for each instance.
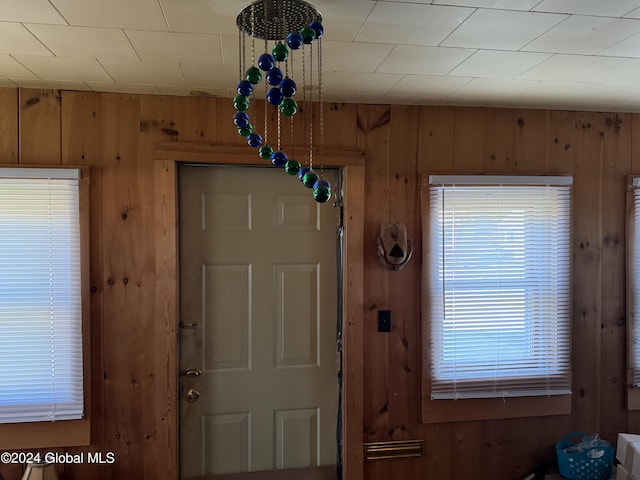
(321, 191)
(292, 167)
(241, 103)
(309, 179)
(246, 130)
(289, 107)
(321, 194)
(254, 75)
(308, 34)
(265, 152)
(280, 52)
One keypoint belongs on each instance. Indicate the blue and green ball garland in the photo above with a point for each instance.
(279, 95)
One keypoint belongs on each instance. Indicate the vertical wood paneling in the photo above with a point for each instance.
(9, 152)
(437, 139)
(40, 126)
(499, 133)
(529, 140)
(587, 279)
(373, 132)
(129, 368)
(405, 345)
(469, 140)
(616, 165)
(560, 141)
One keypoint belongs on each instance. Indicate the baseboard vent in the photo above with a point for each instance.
(399, 449)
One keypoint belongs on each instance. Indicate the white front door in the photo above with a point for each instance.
(258, 311)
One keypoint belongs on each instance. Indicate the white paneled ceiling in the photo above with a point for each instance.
(570, 54)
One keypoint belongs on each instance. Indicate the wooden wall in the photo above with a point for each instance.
(134, 383)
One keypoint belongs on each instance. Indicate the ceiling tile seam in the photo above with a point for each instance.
(24, 25)
(618, 43)
(359, 29)
(461, 61)
(475, 10)
(124, 31)
(58, 12)
(498, 9)
(567, 17)
(620, 17)
(164, 15)
(184, 76)
(27, 68)
(383, 60)
(106, 71)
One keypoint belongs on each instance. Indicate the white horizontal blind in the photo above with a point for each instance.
(40, 296)
(500, 286)
(634, 286)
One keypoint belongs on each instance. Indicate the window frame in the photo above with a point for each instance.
(63, 433)
(633, 393)
(470, 409)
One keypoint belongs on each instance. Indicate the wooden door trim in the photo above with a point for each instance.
(167, 294)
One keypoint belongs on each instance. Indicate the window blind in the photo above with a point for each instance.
(499, 286)
(634, 285)
(41, 371)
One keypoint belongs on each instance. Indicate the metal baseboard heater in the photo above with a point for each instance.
(398, 449)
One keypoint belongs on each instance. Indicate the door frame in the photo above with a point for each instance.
(168, 156)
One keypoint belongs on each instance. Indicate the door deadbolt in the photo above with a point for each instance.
(192, 395)
(192, 372)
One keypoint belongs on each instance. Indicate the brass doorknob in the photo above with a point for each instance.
(192, 395)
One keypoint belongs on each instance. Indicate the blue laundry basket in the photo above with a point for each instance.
(593, 463)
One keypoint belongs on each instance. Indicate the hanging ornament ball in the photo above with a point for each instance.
(254, 75)
(274, 76)
(266, 62)
(246, 130)
(308, 34)
(240, 119)
(295, 40)
(289, 107)
(280, 52)
(240, 102)
(321, 191)
(254, 140)
(292, 167)
(275, 96)
(245, 88)
(279, 159)
(265, 152)
(288, 87)
(302, 171)
(309, 179)
(318, 28)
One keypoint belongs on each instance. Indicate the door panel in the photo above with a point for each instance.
(258, 279)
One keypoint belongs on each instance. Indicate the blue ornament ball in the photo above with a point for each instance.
(245, 88)
(254, 140)
(266, 62)
(275, 96)
(295, 40)
(241, 119)
(302, 171)
(279, 159)
(317, 26)
(288, 87)
(274, 76)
